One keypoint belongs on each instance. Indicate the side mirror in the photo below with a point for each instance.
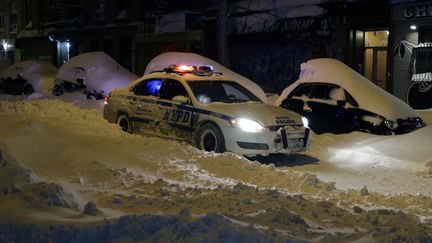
(341, 103)
(181, 99)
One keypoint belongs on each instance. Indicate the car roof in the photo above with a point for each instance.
(29, 66)
(369, 96)
(183, 78)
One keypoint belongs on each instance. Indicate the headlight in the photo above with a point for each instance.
(247, 125)
(393, 125)
(305, 122)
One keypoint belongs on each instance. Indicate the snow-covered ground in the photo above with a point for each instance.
(62, 163)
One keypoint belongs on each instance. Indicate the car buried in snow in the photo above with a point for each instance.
(96, 73)
(27, 77)
(336, 99)
(207, 110)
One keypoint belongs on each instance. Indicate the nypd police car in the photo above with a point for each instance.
(207, 110)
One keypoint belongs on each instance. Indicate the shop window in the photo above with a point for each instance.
(421, 63)
(375, 56)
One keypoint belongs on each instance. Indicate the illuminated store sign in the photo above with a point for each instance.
(421, 10)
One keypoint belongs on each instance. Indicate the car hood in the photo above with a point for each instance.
(267, 115)
(369, 96)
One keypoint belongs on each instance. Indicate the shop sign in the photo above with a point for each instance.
(281, 25)
(421, 10)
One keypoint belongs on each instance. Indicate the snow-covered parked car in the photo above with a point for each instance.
(95, 72)
(27, 77)
(336, 99)
(207, 110)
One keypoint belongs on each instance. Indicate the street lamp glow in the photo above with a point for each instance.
(5, 47)
(413, 27)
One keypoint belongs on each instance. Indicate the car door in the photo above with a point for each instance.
(143, 105)
(175, 116)
(328, 111)
(297, 98)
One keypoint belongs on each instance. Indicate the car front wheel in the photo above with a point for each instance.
(210, 138)
(57, 90)
(28, 89)
(124, 122)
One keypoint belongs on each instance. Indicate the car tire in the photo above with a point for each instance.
(124, 122)
(91, 96)
(28, 89)
(57, 90)
(210, 138)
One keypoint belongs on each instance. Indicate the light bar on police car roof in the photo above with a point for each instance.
(184, 68)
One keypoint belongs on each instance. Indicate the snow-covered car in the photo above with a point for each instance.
(207, 110)
(336, 99)
(94, 72)
(27, 77)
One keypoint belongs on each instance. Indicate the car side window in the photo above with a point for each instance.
(172, 88)
(323, 91)
(149, 87)
(303, 90)
(350, 100)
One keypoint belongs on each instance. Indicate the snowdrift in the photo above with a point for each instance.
(64, 165)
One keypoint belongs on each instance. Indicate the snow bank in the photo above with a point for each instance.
(62, 157)
(163, 61)
(365, 150)
(148, 228)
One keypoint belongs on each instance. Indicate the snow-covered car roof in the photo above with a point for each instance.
(29, 67)
(102, 73)
(181, 77)
(164, 60)
(369, 96)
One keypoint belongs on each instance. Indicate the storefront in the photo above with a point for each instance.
(412, 59)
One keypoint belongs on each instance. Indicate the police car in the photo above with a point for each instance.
(207, 110)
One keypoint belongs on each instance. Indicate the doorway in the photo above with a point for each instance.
(375, 57)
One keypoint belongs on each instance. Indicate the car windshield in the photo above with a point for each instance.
(221, 91)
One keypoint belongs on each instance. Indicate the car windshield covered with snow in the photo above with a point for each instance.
(221, 91)
(208, 110)
(336, 99)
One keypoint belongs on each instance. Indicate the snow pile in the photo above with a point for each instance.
(65, 165)
(363, 149)
(157, 228)
(18, 182)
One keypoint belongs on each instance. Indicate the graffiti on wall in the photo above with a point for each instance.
(274, 65)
